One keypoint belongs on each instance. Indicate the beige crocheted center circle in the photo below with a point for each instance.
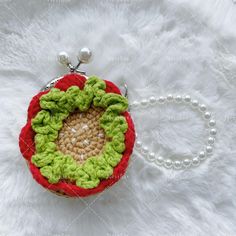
(81, 135)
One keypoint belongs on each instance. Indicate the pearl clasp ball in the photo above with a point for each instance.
(85, 55)
(63, 58)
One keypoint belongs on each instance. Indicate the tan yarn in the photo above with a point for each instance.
(81, 135)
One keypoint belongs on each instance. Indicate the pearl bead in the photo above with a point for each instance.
(73, 130)
(135, 104)
(202, 155)
(195, 161)
(63, 58)
(159, 160)
(73, 140)
(100, 135)
(86, 142)
(152, 100)
(170, 97)
(144, 102)
(186, 163)
(177, 164)
(212, 122)
(207, 115)
(178, 98)
(161, 99)
(151, 156)
(187, 98)
(194, 103)
(168, 163)
(213, 132)
(85, 55)
(144, 150)
(209, 149)
(211, 140)
(138, 144)
(85, 127)
(202, 107)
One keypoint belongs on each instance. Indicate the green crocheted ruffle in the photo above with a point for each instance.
(56, 107)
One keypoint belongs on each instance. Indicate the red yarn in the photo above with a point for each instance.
(27, 145)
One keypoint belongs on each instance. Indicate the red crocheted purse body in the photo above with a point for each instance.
(27, 143)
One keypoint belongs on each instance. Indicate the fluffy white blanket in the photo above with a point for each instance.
(156, 47)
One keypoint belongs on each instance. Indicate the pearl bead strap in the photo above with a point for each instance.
(203, 154)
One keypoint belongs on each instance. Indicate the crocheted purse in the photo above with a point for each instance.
(78, 137)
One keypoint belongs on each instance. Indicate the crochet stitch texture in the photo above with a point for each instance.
(57, 106)
(64, 187)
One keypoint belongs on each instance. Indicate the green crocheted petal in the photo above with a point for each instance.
(44, 143)
(83, 102)
(40, 142)
(97, 99)
(88, 167)
(115, 102)
(107, 119)
(111, 156)
(95, 83)
(42, 159)
(118, 142)
(87, 184)
(40, 124)
(103, 169)
(51, 173)
(56, 106)
(50, 101)
(56, 121)
(81, 175)
(71, 169)
(113, 125)
(48, 147)
(98, 86)
(68, 99)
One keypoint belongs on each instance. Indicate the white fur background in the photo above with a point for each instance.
(156, 47)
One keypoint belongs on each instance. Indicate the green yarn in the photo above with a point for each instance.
(56, 107)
